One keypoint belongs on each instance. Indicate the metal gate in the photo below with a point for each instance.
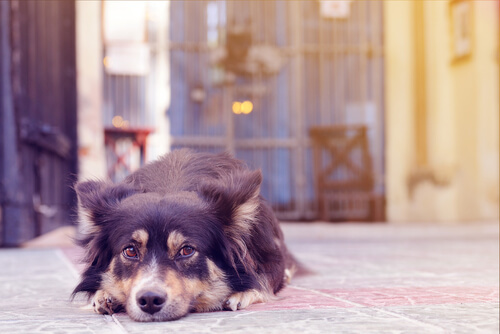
(38, 154)
(252, 77)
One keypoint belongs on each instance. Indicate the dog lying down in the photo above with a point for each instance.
(186, 233)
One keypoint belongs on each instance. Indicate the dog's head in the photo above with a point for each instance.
(160, 256)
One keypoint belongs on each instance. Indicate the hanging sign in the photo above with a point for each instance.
(337, 9)
(127, 59)
(126, 51)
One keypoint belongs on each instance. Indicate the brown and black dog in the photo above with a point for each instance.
(186, 233)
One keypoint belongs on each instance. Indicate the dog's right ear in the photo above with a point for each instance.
(96, 199)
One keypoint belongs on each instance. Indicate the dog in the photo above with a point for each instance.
(186, 233)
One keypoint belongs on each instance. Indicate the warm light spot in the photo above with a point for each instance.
(246, 107)
(105, 61)
(117, 121)
(237, 107)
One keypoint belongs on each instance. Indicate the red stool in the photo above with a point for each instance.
(138, 139)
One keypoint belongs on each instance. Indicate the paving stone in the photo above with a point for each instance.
(35, 295)
(367, 278)
(284, 321)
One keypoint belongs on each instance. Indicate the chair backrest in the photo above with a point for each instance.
(342, 167)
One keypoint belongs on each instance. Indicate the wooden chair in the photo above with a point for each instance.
(343, 172)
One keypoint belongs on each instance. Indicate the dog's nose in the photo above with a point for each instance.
(151, 302)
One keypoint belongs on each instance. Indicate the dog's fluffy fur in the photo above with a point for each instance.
(188, 232)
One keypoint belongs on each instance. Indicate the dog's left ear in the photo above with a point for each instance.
(235, 197)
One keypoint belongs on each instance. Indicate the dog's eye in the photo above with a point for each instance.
(186, 251)
(130, 252)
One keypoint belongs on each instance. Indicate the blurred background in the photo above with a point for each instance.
(373, 111)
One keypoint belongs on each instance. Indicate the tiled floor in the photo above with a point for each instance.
(375, 278)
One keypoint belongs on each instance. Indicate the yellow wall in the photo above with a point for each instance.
(459, 179)
(91, 152)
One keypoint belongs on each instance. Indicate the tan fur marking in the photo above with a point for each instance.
(289, 273)
(174, 285)
(277, 241)
(244, 215)
(141, 236)
(113, 291)
(244, 219)
(174, 242)
(86, 225)
(213, 292)
(215, 272)
(117, 288)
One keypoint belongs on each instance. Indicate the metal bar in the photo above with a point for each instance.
(324, 117)
(296, 38)
(8, 143)
(238, 143)
(290, 50)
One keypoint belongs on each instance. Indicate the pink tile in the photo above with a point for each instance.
(417, 295)
(291, 298)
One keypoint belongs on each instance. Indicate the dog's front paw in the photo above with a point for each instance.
(104, 303)
(241, 300)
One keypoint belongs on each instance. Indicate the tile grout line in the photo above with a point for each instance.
(118, 324)
(70, 266)
(361, 306)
